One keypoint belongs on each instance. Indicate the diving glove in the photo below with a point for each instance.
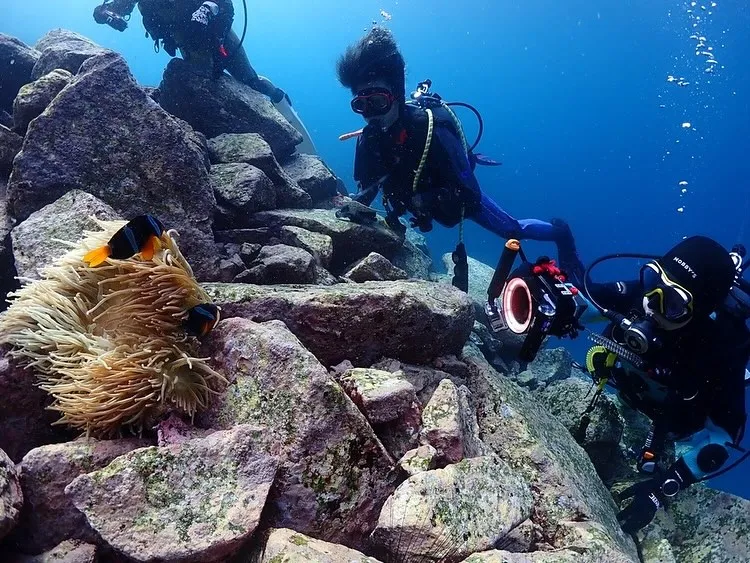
(651, 495)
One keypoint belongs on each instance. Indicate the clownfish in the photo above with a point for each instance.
(140, 235)
(202, 319)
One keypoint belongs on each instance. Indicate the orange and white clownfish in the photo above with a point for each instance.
(140, 235)
(202, 319)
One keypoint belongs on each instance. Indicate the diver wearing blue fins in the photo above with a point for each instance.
(202, 31)
(675, 348)
(416, 153)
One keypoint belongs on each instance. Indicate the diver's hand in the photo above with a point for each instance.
(647, 499)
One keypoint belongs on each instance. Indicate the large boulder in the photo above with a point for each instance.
(198, 500)
(240, 190)
(10, 146)
(33, 98)
(64, 49)
(334, 472)
(351, 241)
(702, 524)
(17, 60)
(25, 421)
(251, 148)
(571, 504)
(448, 513)
(549, 366)
(601, 436)
(287, 546)
(375, 267)
(11, 497)
(224, 105)
(413, 321)
(129, 153)
(279, 264)
(381, 396)
(414, 256)
(37, 241)
(312, 175)
(49, 517)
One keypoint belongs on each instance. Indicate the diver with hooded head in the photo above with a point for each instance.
(202, 31)
(417, 155)
(675, 352)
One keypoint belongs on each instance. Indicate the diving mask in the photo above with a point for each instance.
(665, 296)
(372, 102)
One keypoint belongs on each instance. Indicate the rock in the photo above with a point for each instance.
(380, 396)
(498, 349)
(351, 241)
(317, 244)
(704, 525)
(36, 240)
(571, 504)
(549, 366)
(259, 236)
(334, 473)
(419, 459)
(66, 552)
(10, 146)
(424, 379)
(375, 267)
(279, 263)
(128, 152)
(63, 49)
(410, 320)
(240, 190)
(312, 175)
(567, 400)
(249, 252)
(324, 277)
(251, 148)
(25, 422)
(194, 501)
(230, 268)
(49, 517)
(480, 276)
(414, 256)
(449, 424)
(558, 556)
(11, 497)
(8, 272)
(33, 98)
(287, 546)
(6, 119)
(657, 550)
(453, 512)
(224, 105)
(17, 60)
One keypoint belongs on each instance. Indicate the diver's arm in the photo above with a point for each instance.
(620, 296)
(369, 173)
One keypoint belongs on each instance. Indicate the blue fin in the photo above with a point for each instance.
(484, 160)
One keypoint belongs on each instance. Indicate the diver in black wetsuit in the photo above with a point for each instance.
(689, 370)
(202, 31)
(428, 174)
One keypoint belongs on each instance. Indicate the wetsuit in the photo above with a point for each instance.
(692, 387)
(203, 37)
(447, 187)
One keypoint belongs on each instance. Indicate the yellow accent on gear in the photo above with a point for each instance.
(425, 152)
(593, 351)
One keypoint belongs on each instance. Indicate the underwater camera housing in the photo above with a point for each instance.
(534, 300)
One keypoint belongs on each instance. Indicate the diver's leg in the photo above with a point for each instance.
(238, 65)
(495, 219)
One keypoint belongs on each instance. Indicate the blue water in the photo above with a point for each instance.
(571, 93)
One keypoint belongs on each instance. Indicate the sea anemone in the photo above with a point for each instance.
(108, 342)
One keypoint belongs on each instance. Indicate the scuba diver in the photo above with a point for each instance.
(202, 31)
(416, 153)
(676, 350)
